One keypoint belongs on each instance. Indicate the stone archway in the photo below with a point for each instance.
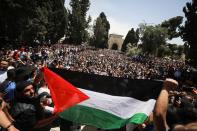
(114, 46)
(115, 40)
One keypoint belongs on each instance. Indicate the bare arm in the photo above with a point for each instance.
(5, 122)
(161, 105)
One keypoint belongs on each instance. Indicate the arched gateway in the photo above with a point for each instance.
(115, 42)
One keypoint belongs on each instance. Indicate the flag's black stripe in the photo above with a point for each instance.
(139, 89)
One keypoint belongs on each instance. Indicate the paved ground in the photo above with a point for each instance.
(129, 127)
(84, 128)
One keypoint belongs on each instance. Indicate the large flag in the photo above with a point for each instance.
(63, 93)
(113, 102)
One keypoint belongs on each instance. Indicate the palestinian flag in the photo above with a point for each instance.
(113, 102)
(64, 94)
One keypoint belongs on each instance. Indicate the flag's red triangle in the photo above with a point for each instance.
(63, 93)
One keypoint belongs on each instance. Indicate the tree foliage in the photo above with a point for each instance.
(152, 37)
(101, 30)
(173, 24)
(176, 50)
(57, 25)
(133, 50)
(78, 23)
(14, 16)
(27, 20)
(163, 50)
(189, 30)
(131, 37)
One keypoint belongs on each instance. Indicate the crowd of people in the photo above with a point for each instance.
(25, 98)
(100, 61)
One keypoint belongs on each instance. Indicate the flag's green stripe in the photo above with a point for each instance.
(138, 118)
(98, 118)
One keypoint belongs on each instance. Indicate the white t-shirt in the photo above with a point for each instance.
(3, 76)
(41, 90)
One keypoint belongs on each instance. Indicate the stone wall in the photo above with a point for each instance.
(115, 39)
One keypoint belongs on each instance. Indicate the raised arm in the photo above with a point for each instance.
(161, 105)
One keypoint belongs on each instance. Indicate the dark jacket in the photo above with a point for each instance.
(26, 114)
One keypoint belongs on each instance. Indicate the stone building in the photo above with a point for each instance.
(115, 41)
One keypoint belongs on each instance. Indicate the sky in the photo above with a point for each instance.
(126, 14)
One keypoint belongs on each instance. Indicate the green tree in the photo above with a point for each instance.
(189, 30)
(101, 31)
(14, 18)
(131, 37)
(186, 50)
(48, 22)
(163, 50)
(176, 51)
(152, 37)
(173, 48)
(105, 22)
(36, 25)
(133, 50)
(180, 50)
(27, 20)
(57, 25)
(173, 24)
(78, 22)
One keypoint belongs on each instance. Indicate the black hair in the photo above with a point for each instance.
(193, 76)
(24, 73)
(11, 74)
(183, 115)
(171, 116)
(20, 86)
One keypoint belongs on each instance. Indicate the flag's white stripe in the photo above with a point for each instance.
(123, 107)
